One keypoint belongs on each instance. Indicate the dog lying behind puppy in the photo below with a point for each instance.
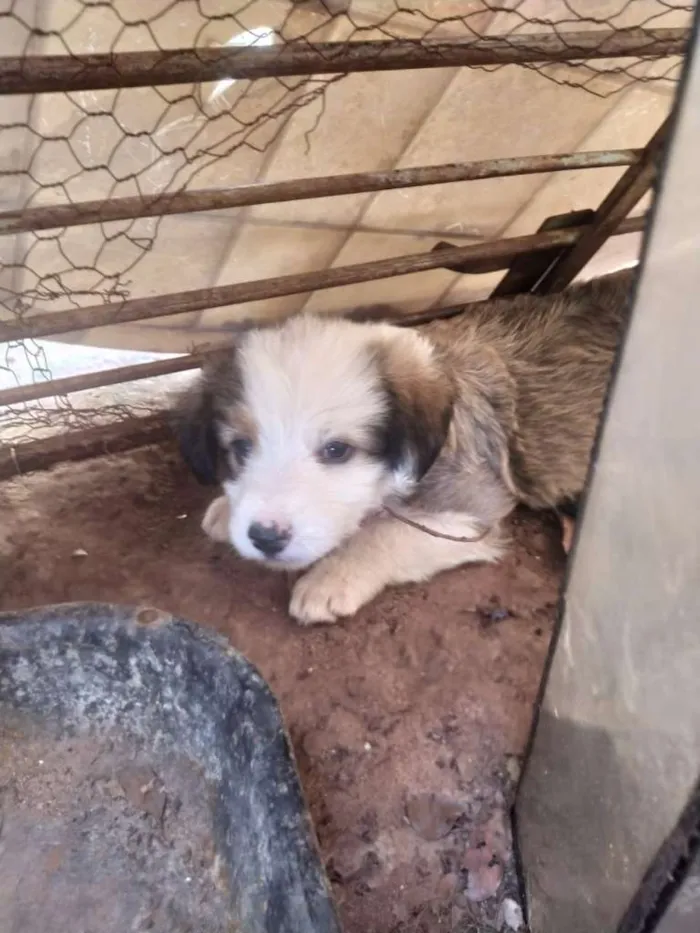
(380, 455)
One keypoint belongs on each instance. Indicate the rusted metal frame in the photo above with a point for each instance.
(526, 271)
(621, 199)
(140, 309)
(217, 199)
(194, 360)
(442, 314)
(50, 73)
(16, 460)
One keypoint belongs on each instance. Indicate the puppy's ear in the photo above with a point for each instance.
(194, 426)
(421, 396)
(194, 419)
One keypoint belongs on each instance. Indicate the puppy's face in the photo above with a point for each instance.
(311, 426)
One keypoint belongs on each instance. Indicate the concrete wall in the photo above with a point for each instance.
(616, 755)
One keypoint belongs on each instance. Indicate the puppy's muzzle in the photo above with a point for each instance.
(270, 539)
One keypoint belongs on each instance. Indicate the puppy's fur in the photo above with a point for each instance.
(450, 425)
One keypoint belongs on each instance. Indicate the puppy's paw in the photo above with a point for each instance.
(330, 591)
(215, 523)
(568, 527)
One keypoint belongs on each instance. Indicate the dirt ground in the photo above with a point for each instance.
(408, 721)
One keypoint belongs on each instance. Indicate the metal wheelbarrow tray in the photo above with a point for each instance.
(146, 783)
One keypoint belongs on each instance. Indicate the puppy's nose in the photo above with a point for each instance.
(269, 539)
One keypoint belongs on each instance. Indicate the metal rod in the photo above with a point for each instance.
(50, 73)
(82, 445)
(194, 360)
(69, 385)
(97, 380)
(621, 199)
(217, 199)
(141, 309)
(442, 314)
(16, 460)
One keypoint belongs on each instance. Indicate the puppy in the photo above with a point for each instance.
(377, 455)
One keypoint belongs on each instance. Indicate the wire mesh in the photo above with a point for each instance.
(68, 148)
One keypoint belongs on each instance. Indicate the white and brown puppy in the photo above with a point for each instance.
(331, 438)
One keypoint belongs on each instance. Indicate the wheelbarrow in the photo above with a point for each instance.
(146, 783)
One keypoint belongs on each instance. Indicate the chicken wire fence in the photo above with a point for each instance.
(115, 115)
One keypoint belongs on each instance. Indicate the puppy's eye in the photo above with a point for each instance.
(242, 448)
(335, 452)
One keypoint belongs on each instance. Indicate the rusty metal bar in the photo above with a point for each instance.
(140, 309)
(50, 73)
(442, 314)
(119, 375)
(16, 460)
(97, 380)
(217, 199)
(622, 198)
(194, 360)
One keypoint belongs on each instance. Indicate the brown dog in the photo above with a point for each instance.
(379, 455)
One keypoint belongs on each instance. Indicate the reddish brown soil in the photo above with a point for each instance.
(428, 691)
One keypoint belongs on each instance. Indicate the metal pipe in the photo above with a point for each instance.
(194, 360)
(66, 73)
(140, 309)
(97, 380)
(217, 199)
